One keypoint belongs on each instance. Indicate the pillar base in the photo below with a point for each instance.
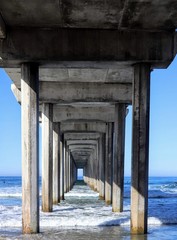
(101, 198)
(108, 202)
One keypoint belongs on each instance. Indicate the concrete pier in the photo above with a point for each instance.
(92, 59)
(47, 157)
(56, 163)
(62, 169)
(30, 145)
(108, 163)
(140, 148)
(118, 158)
(102, 166)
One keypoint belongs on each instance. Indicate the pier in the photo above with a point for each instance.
(75, 68)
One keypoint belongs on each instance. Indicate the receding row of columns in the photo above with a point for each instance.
(59, 171)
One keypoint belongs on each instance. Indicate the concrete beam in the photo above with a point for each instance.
(84, 113)
(81, 136)
(2, 28)
(83, 126)
(80, 142)
(81, 92)
(85, 92)
(84, 146)
(121, 73)
(86, 45)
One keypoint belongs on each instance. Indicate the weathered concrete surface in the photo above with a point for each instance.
(47, 157)
(118, 158)
(83, 126)
(86, 50)
(140, 149)
(83, 146)
(62, 168)
(80, 142)
(81, 136)
(101, 156)
(84, 92)
(2, 28)
(30, 145)
(149, 15)
(93, 72)
(16, 92)
(56, 163)
(77, 112)
(141, 14)
(156, 48)
(108, 163)
(92, 112)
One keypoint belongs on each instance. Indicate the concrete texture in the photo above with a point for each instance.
(47, 157)
(86, 45)
(87, 52)
(91, 14)
(30, 146)
(140, 149)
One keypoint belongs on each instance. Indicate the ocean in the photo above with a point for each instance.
(83, 216)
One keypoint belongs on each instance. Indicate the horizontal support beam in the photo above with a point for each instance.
(2, 28)
(81, 136)
(84, 92)
(56, 44)
(80, 92)
(84, 146)
(80, 142)
(83, 126)
(77, 113)
(121, 73)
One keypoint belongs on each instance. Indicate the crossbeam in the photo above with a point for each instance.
(86, 45)
(84, 92)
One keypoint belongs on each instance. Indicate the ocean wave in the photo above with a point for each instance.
(10, 195)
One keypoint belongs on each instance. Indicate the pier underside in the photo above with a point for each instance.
(76, 66)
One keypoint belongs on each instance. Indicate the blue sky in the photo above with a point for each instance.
(163, 126)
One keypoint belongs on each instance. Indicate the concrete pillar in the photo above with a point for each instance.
(56, 163)
(62, 168)
(47, 157)
(98, 166)
(101, 167)
(95, 170)
(69, 171)
(140, 148)
(118, 158)
(108, 163)
(66, 168)
(30, 145)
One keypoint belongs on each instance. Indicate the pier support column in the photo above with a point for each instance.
(47, 157)
(140, 148)
(108, 163)
(101, 167)
(30, 145)
(56, 163)
(118, 158)
(62, 168)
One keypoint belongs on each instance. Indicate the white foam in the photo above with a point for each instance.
(83, 208)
